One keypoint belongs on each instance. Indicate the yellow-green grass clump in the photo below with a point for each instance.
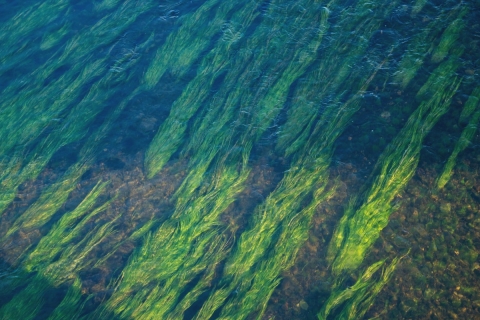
(187, 245)
(333, 74)
(15, 34)
(280, 225)
(471, 106)
(236, 111)
(362, 222)
(421, 45)
(21, 164)
(183, 47)
(357, 299)
(449, 36)
(59, 256)
(162, 302)
(251, 273)
(67, 229)
(49, 202)
(172, 131)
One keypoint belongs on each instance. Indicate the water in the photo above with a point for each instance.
(233, 160)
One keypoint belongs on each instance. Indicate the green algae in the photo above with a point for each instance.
(58, 258)
(358, 298)
(172, 131)
(359, 228)
(464, 139)
(248, 68)
(421, 46)
(71, 304)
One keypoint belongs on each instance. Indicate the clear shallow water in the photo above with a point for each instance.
(296, 160)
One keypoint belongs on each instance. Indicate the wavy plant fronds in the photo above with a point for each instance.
(357, 307)
(279, 210)
(181, 249)
(225, 103)
(34, 118)
(339, 296)
(76, 53)
(52, 198)
(250, 277)
(73, 258)
(159, 301)
(465, 138)
(470, 105)
(334, 73)
(249, 65)
(52, 39)
(235, 111)
(182, 212)
(422, 45)
(65, 230)
(104, 31)
(418, 6)
(193, 221)
(64, 234)
(279, 88)
(58, 257)
(439, 78)
(27, 303)
(364, 219)
(164, 302)
(71, 304)
(188, 45)
(18, 167)
(14, 33)
(135, 236)
(105, 5)
(49, 202)
(280, 225)
(357, 299)
(171, 133)
(69, 264)
(77, 120)
(449, 37)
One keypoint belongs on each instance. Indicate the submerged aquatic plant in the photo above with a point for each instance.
(196, 223)
(170, 258)
(471, 111)
(365, 217)
(59, 257)
(248, 67)
(357, 299)
(450, 36)
(422, 44)
(362, 222)
(188, 45)
(23, 155)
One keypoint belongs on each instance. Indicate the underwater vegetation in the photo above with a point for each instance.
(472, 113)
(179, 160)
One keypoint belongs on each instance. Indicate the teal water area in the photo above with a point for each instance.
(240, 159)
